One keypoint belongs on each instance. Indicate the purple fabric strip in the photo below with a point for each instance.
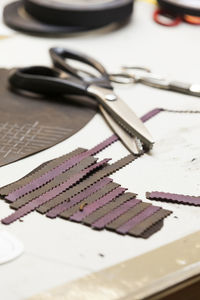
(50, 194)
(54, 212)
(114, 214)
(137, 219)
(80, 215)
(36, 183)
(151, 114)
(177, 198)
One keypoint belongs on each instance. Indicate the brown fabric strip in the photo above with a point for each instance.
(153, 229)
(127, 216)
(107, 208)
(147, 223)
(108, 188)
(57, 181)
(39, 171)
(87, 182)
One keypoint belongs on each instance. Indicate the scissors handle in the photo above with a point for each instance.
(60, 57)
(46, 81)
(63, 78)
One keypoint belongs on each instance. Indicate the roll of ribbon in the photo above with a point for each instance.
(176, 11)
(65, 16)
(184, 7)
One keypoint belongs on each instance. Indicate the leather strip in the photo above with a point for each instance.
(137, 219)
(55, 182)
(108, 170)
(127, 215)
(76, 199)
(109, 217)
(100, 193)
(50, 194)
(38, 172)
(151, 114)
(38, 182)
(139, 229)
(153, 229)
(175, 198)
(108, 208)
(80, 215)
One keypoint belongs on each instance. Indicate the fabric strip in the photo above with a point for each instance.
(106, 209)
(50, 194)
(146, 224)
(38, 182)
(137, 219)
(176, 198)
(39, 172)
(97, 204)
(106, 171)
(100, 193)
(126, 216)
(56, 181)
(76, 199)
(102, 222)
(152, 230)
(151, 114)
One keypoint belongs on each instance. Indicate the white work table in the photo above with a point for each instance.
(58, 251)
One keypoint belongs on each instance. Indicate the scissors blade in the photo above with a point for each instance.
(131, 143)
(122, 113)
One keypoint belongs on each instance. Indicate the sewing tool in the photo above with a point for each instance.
(65, 79)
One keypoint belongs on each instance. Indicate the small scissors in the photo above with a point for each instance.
(145, 76)
(65, 79)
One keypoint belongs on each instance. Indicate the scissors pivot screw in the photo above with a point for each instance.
(111, 97)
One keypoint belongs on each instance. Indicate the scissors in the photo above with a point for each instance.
(137, 74)
(65, 79)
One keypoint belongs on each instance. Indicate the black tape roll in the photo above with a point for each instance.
(65, 16)
(17, 18)
(190, 7)
(92, 14)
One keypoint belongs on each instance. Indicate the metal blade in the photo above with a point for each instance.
(122, 113)
(131, 143)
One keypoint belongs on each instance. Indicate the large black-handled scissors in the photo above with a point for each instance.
(64, 79)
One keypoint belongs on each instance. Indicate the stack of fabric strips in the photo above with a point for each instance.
(76, 187)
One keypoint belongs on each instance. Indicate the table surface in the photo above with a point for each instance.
(58, 251)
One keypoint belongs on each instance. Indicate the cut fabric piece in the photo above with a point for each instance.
(137, 219)
(106, 171)
(100, 193)
(71, 161)
(79, 216)
(109, 208)
(152, 230)
(106, 219)
(39, 171)
(174, 198)
(32, 205)
(127, 215)
(57, 181)
(29, 124)
(140, 228)
(77, 199)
